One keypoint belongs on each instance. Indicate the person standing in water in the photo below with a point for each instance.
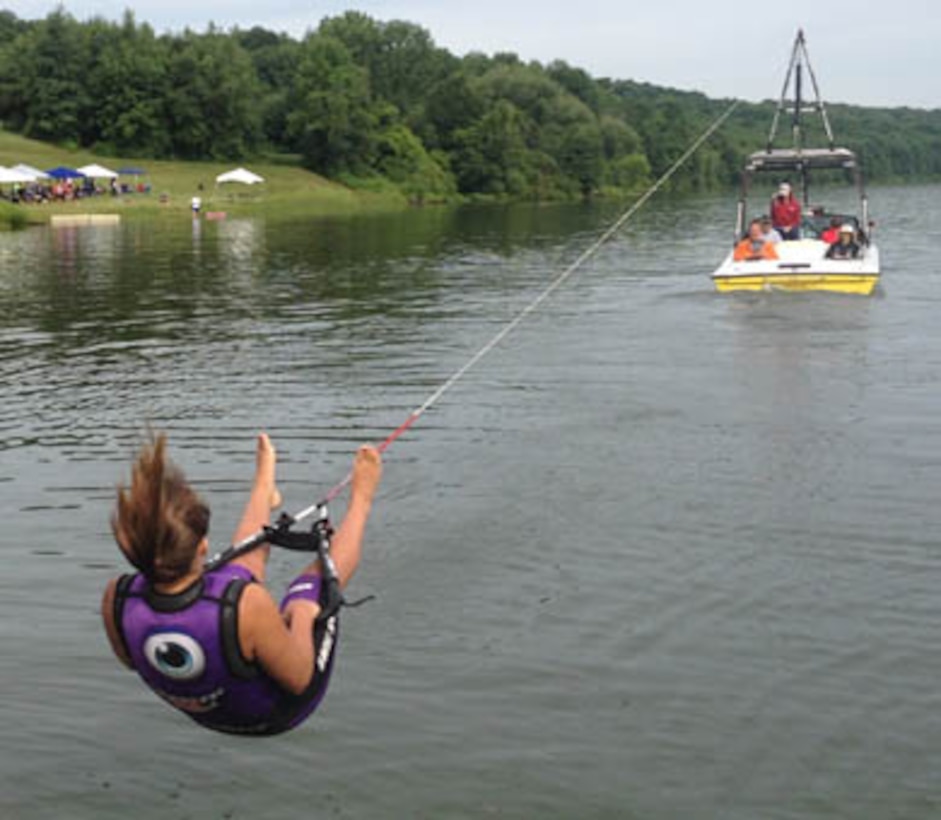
(214, 644)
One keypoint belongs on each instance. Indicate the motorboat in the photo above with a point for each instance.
(804, 263)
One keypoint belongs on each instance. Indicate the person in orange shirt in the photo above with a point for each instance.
(754, 246)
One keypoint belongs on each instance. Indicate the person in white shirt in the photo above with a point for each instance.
(769, 234)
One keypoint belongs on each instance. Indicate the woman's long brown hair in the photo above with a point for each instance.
(159, 520)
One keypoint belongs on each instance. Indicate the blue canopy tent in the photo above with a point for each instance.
(132, 172)
(64, 172)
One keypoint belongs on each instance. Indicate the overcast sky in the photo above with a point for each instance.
(886, 53)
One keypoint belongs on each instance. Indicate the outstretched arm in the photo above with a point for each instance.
(281, 641)
(347, 545)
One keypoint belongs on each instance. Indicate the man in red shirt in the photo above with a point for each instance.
(786, 213)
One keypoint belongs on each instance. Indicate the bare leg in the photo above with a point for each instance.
(263, 498)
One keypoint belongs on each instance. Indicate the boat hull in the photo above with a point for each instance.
(801, 267)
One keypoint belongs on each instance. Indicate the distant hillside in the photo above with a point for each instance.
(370, 103)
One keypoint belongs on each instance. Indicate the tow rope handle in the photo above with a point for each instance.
(316, 540)
(278, 533)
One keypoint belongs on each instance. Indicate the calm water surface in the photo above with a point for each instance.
(662, 554)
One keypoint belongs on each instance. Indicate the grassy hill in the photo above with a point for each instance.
(287, 189)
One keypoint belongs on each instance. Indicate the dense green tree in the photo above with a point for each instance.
(128, 84)
(401, 157)
(411, 64)
(360, 97)
(212, 103)
(10, 27)
(666, 132)
(333, 121)
(527, 87)
(275, 57)
(577, 82)
(401, 58)
(491, 155)
(628, 172)
(452, 105)
(582, 157)
(47, 92)
(618, 138)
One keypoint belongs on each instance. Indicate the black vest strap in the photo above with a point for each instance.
(161, 602)
(229, 631)
(117, 613)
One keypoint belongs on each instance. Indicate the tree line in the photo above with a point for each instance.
(372, 102)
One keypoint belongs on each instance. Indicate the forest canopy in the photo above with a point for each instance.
(361, 100)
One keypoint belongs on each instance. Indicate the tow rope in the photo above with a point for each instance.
(278, 532)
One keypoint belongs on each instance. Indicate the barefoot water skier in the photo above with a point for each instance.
(213, 642)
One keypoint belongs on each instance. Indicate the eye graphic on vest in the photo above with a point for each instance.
(175, 655)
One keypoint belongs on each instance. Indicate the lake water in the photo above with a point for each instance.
(662, 554)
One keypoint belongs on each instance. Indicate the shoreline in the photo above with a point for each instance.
(332, 200)
(19, 216)
(287, 187)
(289, 190)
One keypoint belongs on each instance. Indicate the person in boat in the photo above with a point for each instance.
(846, 247)
(769, 234)
(832, 233)
(754, 246)
(214, 644)
(786, 213)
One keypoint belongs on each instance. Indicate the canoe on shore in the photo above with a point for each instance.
(79, 220)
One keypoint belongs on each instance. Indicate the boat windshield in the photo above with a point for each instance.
(815, 223)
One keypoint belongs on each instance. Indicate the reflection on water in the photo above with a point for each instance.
(197, 236)
(664, 553)
(241, 245)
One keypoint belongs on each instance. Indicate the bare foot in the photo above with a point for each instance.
(367, 470)
(265, 460)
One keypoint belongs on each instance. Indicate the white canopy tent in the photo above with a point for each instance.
(97, 172)
(10, 176)
(33, 173)
(242, 175)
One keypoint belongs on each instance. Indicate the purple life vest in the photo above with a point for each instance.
(186, 648)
